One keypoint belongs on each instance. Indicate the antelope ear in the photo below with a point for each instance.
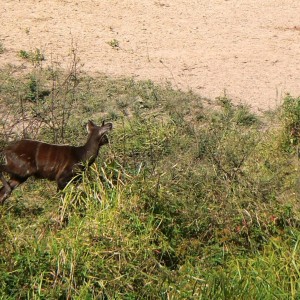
(90, 125)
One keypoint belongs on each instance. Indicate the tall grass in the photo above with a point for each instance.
(190, 200)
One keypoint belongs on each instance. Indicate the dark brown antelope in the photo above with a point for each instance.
(27, 158)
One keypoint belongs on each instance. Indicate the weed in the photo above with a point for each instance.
(35, 57)
(34, 93)
(114, 44)
(2, 48)
(24, 54)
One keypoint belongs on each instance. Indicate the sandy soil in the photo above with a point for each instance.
(249, 49)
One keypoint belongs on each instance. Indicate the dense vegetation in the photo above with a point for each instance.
(192, 199)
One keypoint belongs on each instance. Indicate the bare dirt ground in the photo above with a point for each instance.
(249, 49)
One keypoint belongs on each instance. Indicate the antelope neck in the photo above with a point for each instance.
(91, 148)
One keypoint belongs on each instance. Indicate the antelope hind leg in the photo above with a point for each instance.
(6, 190)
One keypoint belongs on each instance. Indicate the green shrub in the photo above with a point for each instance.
(290, 117)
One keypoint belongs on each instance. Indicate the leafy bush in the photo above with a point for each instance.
(290, 117)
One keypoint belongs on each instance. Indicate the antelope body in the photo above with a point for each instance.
(27, 158)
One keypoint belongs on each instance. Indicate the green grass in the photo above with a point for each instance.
(192, 199)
